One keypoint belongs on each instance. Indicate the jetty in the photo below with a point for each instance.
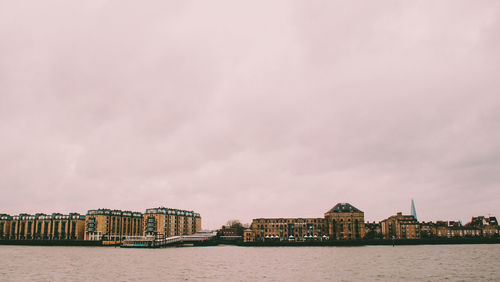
(202, 238)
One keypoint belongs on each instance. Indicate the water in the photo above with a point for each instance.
(230, 263)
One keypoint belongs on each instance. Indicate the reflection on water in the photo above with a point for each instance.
(229, 263)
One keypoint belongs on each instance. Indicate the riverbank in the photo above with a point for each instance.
(353, 243)
(374, 242)
(52, 243)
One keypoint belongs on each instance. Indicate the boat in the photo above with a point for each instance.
(139, 242)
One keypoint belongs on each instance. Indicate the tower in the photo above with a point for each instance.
(413, 210)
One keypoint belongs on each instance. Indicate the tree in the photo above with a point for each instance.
(234, 223)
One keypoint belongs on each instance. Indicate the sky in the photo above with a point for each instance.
(249, 109)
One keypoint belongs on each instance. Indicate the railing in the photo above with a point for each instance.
(141, 238)
(151, 241)
(171, 240)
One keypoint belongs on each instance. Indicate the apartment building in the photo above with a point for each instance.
(400, 226)
(112, 225)
(42, 226)
(5, 223)
(342, 222)
(167, 222)
(288, 228)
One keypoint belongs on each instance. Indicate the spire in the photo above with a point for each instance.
(413, 210)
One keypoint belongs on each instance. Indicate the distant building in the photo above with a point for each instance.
(487, 225)
(373, 230)
(413, 210)
(342, 222)
(400, 226)
(288, 228)
(231, 233)
(42, 227)
(112, 225)
(106, 225)
(426, 229)
(248, 235)
(5, 223)
(166, 222)
(451, 229)
(345, 222)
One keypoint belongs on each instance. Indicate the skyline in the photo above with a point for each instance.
(412, 213)
(249, 110)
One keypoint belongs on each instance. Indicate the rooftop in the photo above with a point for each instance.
(164, 210)
(113, 212)
(343, 207)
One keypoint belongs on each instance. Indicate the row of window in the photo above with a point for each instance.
(29, 228)
(316, 220)
(127, 225)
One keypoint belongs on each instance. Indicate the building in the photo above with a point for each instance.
(112, 225)
(373, 230)
(5, 223)
(413, 210)
(166, 222)
(248, 235)
(288, 228)
(426, 230)
(448, 229)
(59, 226)
(453, 229)
(230, 231)
(345, 222)
(487, 225)
(400, 226)
(18, 227)
(342, 222)
(42, 227)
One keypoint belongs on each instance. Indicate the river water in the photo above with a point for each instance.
(231, 263)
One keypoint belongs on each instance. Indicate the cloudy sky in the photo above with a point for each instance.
(244, 110)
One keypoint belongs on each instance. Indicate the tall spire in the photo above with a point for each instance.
(413, 210)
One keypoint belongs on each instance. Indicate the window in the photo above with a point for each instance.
(56, 228)
(29, 227)
(63, 228)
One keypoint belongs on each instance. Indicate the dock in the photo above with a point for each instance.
(152, 241)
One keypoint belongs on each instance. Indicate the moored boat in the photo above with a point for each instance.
(139, 242)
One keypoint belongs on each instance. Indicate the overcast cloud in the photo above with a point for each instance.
(245, 110)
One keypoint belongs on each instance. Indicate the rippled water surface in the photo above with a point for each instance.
(229, 263)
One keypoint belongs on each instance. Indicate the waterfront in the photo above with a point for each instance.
(231, 263)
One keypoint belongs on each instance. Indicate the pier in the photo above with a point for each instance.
(151, 241)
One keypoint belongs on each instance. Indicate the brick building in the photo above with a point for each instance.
(5, 223)
(288, 228)
(400, 226)
(345, 222)
(488, 225)
(112, 225)
(342, 222)
(166, 222)
(42, 227)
